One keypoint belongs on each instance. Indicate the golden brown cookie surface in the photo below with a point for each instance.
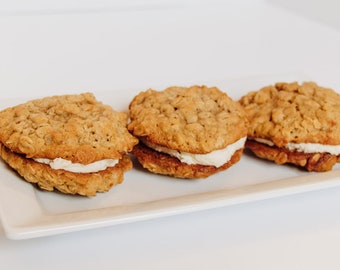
(87, 184)
(78, 131)
(161, 163)
(290, 112)
(317, 162)
(303, 115)
(184, 130)
(195, 119)
(74, 127)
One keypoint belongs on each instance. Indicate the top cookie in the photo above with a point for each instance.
(74, 127)
(196, 119)
(289, 112)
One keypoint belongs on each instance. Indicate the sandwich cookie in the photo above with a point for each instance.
(294, 123)
(71, 143)
(187, 132)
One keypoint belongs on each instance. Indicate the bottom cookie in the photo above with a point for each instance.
(161, 163)
(317, 162)
(86, 184)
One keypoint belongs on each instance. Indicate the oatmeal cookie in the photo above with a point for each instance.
(72, 143)
(87, 184)
(161, 163)
(194, 129)
(294, 123)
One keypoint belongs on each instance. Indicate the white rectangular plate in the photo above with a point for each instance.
(28, 212)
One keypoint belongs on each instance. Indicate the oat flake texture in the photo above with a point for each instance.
(290, 112)
(197, 119)
(74, 127)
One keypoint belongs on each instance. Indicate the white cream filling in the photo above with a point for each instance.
(306, 147)
(264, 141)
(67, 165)
(215, 158)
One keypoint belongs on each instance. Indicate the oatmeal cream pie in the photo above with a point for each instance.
(187, 132)
(294, 123)
(72, 143)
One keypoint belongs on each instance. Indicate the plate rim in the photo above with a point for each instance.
(52, 224)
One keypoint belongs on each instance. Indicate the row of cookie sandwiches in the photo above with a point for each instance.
(78, 145)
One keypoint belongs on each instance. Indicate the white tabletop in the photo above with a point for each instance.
(75, 49)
